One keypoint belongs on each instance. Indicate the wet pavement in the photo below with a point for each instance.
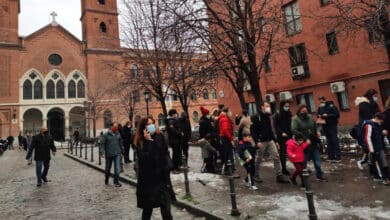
(75, 192)
(349, 193)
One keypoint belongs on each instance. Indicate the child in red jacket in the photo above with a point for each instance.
(295, 148)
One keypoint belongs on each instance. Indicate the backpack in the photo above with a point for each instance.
(355, 132)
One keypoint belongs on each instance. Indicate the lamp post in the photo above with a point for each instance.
(147, 98)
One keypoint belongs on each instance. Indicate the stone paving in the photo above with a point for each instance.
(349, 194)
(75, 192)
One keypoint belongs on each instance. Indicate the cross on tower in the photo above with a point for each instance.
(53, 14)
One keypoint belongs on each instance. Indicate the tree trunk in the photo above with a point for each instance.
(242, 100)
(257, 93)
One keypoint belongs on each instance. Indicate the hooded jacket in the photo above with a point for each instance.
(367, 108)
(295, 152)
(225, 127)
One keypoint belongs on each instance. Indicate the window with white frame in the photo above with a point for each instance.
(293, 18)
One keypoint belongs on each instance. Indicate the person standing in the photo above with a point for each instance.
(226, 137)
(244, 125)
(20, 139)
(111, 146)
(247, 154)
(205, 125)
(185, 127)
(282, 124)
(154, 188)
(304, 123)
(42, 144)
(329, 113)
(10, 142)
(264, 139)
(386, 113)
(174, 137)
(76, 136)
(126, 136)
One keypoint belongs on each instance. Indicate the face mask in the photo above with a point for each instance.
(151, 128)
(45, 132)
(267, 110)
(375, 99)
(322, 105)
(229, 114)
(285, 108)
(208, 116)
(303, 115)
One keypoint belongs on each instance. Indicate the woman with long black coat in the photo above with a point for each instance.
(154, 187)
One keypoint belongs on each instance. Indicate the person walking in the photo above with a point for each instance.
(10, 142)
(226, 137)
(247, 154)
(42, 144)
(76, 137)
(154, 187)
(264, 138)
(20, 140)
(329, 114)
(185, 127)
(126, 136)
(244, 125)
(304, 123)
(111, 147)
(175, 136)
(386, 113)
(282, 125)
(295, 151)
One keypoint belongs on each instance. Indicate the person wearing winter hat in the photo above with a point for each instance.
(205, 126)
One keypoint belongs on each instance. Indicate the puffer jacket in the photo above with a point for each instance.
(295, 152)
(225, 127)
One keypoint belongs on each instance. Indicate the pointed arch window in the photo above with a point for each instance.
(102, 2)
(71, 89)
(27, 90)
(134, 71)
(38, 89)
(193, 95)
(50, 93)
(107, 115)
(80, 89)
(161, 120)
(205, 94)
(213, 94)
(103, 27)
(60, 89)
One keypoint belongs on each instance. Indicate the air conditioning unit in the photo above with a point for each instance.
(247, 86)
(298, 70)
(287, 95)
(337, 87)
(270, 98)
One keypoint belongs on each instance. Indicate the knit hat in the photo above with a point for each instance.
(204, 111)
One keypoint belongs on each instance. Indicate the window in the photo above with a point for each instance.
(55, 59)
(60, 90)
(193, 95)
(103, 27)
(50, 91)
(102, 2)
(71, 89)
(136, 96)
(134, 71)
(27, 90)
(195, 116)
(342, 97)
(308, 100)
(374, 35)
(293, 18)
(80, 89)
(252, 108)
(174, 95)
(172, 73)
(38, 89)
(214, 94)
(107, 115)
(266, 63)
(161, 120)
(298, 61)
(205, 94)
(262, 25)
(331, 41)
(324, 2)
(146, 73)
(181, 72)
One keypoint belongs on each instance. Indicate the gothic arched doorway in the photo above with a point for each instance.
(56, 124)
(32, 121)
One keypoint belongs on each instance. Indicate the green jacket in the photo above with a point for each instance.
(111, 144)
(307, 127)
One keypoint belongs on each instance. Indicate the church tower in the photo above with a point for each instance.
(9, 14)
(100, 27)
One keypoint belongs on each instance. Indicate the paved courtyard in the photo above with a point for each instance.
(76, 192)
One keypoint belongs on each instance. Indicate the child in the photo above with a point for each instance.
(295, 148)
(208, 153)
(247, 153)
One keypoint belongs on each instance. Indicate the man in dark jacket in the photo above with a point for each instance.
(126, 136)
(264, 137)
(174, 138)
(330, 114)
(111, 146)
(282, 124)
(185, 127)
(42, 143)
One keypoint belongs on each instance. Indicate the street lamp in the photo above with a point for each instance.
(147, 98)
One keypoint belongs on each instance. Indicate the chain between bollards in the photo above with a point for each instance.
(186, 181)
(234, 211)
(309, 195)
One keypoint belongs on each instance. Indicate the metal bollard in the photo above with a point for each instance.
(100, 159)
(92, 145)
(81, 150)
(234, 211)
(186, 182)
(309, 195)
(68, 147)
(75, 148)
(86, 152)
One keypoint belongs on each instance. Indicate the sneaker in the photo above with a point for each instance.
(246, 183)
(117, 185)
(386, 182)
(253, 188)
(203, 170)
(376, 179)
(257, 179)
(359, 164)
(322, 179)
(39, 184)
(46, 180)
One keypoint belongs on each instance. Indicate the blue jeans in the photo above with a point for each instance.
(333, 143)
(117, 161)
(315, 156)
(38, 169)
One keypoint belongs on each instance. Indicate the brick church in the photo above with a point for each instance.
(46, 76)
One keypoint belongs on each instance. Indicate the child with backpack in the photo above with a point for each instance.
(296, 155)
(247, 153)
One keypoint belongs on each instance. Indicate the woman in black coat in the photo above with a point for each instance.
(154, 187)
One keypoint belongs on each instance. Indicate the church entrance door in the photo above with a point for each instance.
(56, 124)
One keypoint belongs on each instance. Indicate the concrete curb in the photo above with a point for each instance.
(179, 203)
